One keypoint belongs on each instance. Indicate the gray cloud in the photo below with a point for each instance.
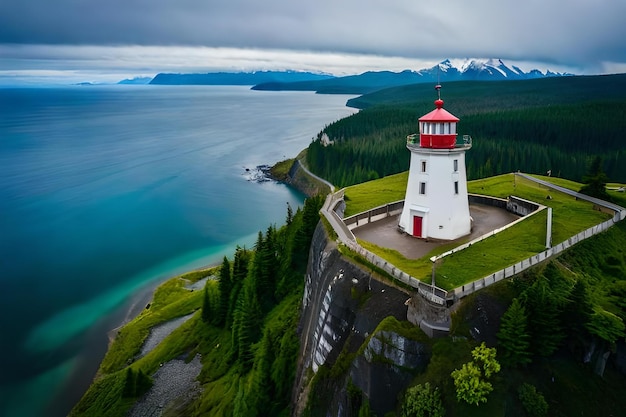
(577, 33)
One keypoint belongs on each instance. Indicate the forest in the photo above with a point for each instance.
(556, 125)
(244, 327)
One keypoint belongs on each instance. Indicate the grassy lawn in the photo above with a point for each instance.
(365, 196)
(569, 217)
(494, 253)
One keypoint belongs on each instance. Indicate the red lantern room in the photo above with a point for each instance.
(438, 128)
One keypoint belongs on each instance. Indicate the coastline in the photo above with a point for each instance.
(100, 337)
(298, 178)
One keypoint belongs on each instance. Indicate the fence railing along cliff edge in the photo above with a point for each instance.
(343, 228)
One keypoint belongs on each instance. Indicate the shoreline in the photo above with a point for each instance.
(101, 335)
(72, 392)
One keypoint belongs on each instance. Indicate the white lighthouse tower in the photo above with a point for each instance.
(436, 204)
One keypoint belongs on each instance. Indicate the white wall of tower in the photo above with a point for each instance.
(437, 192)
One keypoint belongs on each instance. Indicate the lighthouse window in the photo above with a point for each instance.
(456, 187)
(422, 188)
(423, 166)
(441, 128)
(456, 165)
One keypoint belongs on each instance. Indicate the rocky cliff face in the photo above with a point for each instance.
(344, 359)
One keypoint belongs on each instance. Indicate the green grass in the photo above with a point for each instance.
(493, 254)
(365, 196)
(569, 217)
(281, 169)
(171, 300)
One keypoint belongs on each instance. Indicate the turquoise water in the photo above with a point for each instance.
(107, 190)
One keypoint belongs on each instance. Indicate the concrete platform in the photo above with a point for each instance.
(385, 233)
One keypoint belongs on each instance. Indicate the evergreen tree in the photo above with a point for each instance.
(265, 267)
(576, 315)
(302, 239)
(240, 272)
(544, 324)
(513, 336)
(207, 312)
(283, 368)
(130, 386)
(246, 327)
(261, 391)
(289, 215)
(225, 289)
(595, 181)
(533, 401)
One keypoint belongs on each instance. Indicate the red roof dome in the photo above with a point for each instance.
(439, 115)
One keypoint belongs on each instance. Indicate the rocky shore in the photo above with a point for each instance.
(174, 383)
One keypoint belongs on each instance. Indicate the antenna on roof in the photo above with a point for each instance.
(438, 86)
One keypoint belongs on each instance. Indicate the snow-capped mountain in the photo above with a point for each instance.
(481, 69)
(445, 71)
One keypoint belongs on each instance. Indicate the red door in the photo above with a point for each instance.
(417, 226)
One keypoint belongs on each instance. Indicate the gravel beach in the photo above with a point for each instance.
(175, 380)
(160, 332)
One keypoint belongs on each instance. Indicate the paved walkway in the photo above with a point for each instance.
(385, 233)
(301, 165)
(580, 196)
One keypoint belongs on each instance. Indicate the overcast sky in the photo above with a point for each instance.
(114, 39)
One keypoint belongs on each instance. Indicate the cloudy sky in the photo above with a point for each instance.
(108, 40)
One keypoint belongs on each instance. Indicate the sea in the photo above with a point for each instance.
(106, 191)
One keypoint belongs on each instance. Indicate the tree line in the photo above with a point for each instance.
(251, 287)
(563, 139)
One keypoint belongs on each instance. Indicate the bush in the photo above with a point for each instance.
(422, 401)
(533, 401)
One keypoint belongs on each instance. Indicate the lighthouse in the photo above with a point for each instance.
(436, 204)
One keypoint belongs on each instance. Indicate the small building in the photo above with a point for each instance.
(436, 205)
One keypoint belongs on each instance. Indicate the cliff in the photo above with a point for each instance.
(349, 353)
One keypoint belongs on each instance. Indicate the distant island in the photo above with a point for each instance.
(237, 78)
(136, 80)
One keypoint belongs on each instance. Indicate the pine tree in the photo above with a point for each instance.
(207, 312)
(289, 214)
(261, 391)
(246, 327)
(225, 290)
(513, 337)
(130, 382)
(544, 322)
(595, 181)
(240, 272)
(577, 316)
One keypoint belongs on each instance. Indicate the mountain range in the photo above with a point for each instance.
(445, 71)
(238, 78)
